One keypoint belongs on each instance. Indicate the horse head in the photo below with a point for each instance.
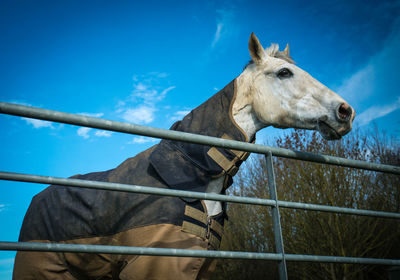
(279, 93)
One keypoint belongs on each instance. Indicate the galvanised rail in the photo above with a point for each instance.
(280, 256)
(9, 176)
(127, 250)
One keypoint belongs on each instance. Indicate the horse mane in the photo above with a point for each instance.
(273, 51)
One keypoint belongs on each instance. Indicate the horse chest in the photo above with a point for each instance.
(215, 186)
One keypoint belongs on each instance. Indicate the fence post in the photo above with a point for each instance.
(276, 219)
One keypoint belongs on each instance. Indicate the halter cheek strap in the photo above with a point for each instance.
(230, 167)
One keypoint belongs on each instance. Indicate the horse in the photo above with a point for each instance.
(271, 91)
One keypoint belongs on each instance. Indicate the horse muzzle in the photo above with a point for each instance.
(340, 126)
(345, 113)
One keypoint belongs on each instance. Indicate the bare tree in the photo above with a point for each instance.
(311, 232)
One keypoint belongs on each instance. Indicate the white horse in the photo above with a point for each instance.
(274, 91)
(270, 91)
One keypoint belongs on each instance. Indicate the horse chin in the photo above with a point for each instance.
(327, 131)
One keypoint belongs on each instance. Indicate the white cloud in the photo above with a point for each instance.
(21, 103)
(142, 140)
(376, 112)
(140, 115)
(217, 35)
(120, 106)
(141, 105)
(359, 86)
(149, 94)
(224, 26)
(179, 115)
(34, 122)
(373, 89)
(84, 132)
(4, 207)
(38, 123)
(162, 75)
(165, 91)
(103, 133)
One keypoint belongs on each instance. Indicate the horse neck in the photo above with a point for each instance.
(242, 109)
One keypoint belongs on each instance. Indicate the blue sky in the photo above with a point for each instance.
(153, 61)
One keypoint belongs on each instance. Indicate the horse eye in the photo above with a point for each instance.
(284, 73)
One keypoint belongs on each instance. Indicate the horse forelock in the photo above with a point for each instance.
(273, 51)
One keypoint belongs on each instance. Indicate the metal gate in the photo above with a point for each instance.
(274, 203)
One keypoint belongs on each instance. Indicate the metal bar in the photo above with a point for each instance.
(339, 210)
(337, 259)
(126, 250)
(132, 188)
(188, 194)
(276, 219)
(56, 116)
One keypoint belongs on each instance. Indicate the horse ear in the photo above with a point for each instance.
(286, 51)
(256, 50)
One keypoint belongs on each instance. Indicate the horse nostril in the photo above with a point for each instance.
(344, 112)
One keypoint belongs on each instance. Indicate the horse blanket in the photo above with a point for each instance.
(87, 216)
